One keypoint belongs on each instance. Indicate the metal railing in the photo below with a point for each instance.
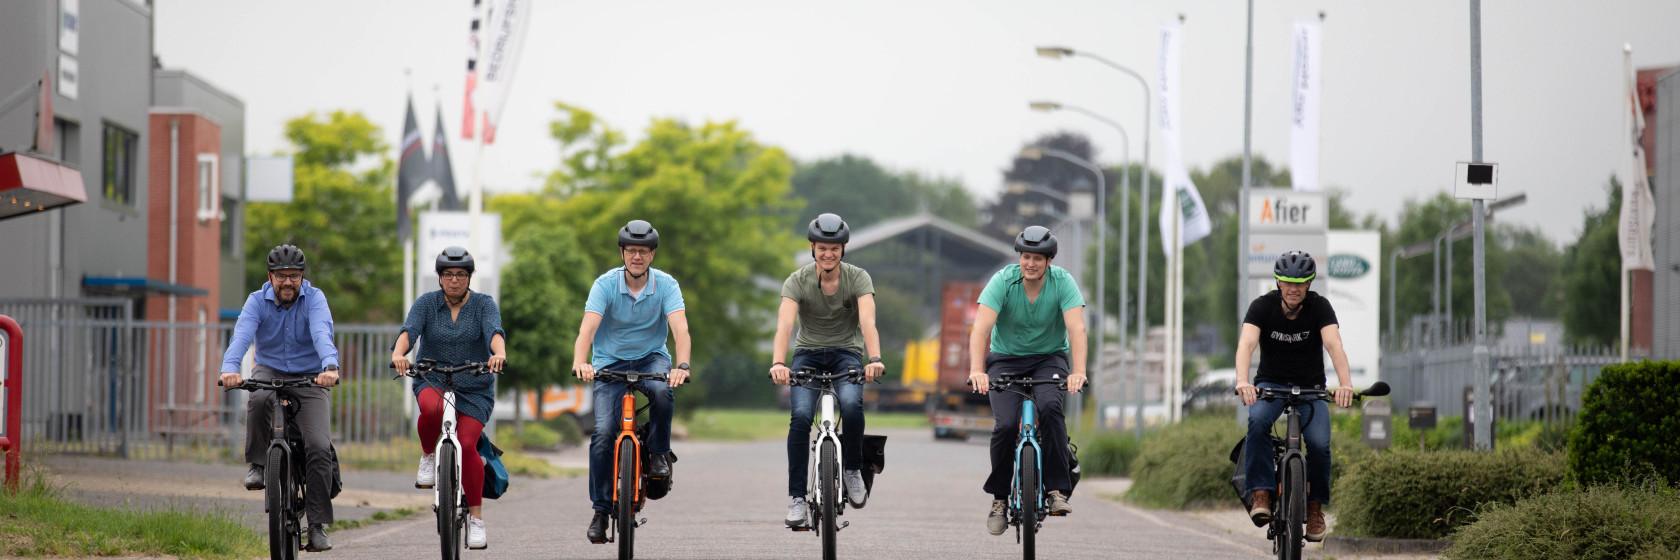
(1529, 382)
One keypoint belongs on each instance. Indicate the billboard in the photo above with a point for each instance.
(1351, 278)
(440, 230)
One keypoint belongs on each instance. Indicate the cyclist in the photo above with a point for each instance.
(289, 321)
(455, 325)
(1293, 327)
(1034, 315)
(835, 305)
(629, 312)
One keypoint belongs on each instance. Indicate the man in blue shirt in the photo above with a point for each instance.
(630, 311)
(292, 327)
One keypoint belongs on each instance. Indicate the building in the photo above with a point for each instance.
(1662, 154)
(217, 183)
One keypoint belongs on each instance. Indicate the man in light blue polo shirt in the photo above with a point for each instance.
(630, 311)
(290, 323)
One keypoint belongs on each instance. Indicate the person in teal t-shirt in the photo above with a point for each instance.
(1032, 313)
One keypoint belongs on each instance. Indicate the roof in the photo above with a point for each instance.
(968, 239)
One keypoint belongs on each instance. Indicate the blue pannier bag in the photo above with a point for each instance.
(495, 473)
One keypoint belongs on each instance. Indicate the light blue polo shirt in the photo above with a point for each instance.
(632, 327)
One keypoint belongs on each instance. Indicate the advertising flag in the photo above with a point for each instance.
(1638, 209)
(502, 40)
(1193, 221)
(440, 169)
(1303, 128)
(411, 172)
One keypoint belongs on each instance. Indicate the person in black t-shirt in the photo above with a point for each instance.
(1293, 327)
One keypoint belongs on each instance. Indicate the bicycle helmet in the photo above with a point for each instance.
(828, 228)
(1295, 266)
(455, 257)
(638, 232)
(285, 257)
(1036, 239)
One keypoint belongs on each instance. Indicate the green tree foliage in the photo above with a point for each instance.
(865, 193)
(1422, 222)
(1533, 272)
(543, 292)
(343, 215)
(1591, 275)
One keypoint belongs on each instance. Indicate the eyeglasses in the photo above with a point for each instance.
(456, 275)
(638, 252)
(289, 277)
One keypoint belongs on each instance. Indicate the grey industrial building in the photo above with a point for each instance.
(1665, 156)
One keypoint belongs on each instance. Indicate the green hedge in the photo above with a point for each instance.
(1599, 522)
(1107, 454)
(1186, 464)
(1411, 495)
(1629, 419)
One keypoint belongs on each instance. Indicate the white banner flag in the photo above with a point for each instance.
(1303, 130)
(1638, 210)
(1193, 216)
(500, 55)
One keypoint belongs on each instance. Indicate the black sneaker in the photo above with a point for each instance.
(598, 528)
(254, 478)
(318, 541)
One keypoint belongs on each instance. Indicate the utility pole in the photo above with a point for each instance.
(1483, 411)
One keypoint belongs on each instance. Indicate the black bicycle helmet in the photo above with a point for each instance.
(285, 257)
(1036, 239)
(828, 228)
(638, 232)
(455, 257)
(1295, 266)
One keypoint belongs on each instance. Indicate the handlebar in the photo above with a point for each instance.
(804, 376)
(629, 376)
(1315, 394)
(1003, 381)
(273, 384)
(423, 367)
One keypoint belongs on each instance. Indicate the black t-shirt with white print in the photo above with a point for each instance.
(1291, 350)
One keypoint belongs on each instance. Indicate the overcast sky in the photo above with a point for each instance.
(941, 87)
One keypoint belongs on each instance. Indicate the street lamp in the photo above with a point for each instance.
(1454, 232)
(1125, 211)
(1056, 52)
(1039, 152)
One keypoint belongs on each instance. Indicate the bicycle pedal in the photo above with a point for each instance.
(800, 529)
(424, 487)
(1058, 515)
(641, 522)
(843, 525)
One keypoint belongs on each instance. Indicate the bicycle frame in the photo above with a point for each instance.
(828, 429)
(293, 491)
(1028, 436)
(627, 430)
(448, 436)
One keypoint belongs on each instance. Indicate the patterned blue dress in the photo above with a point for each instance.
(453, 341)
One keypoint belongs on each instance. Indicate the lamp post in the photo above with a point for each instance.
(1143, 217)
(1035, 153)
(1125, 250)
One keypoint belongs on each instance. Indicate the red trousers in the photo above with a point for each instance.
(467, 430)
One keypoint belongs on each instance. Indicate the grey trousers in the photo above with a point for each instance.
(314, 421)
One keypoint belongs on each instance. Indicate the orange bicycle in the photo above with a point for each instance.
(631, 486)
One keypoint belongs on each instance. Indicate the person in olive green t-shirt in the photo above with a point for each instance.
(1032, 313)
(835, 305)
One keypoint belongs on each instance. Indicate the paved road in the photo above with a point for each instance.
(729, 500)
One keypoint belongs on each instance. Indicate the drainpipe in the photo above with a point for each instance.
(174, 237)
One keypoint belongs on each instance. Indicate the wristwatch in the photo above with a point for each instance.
(875, 359)
(331, 368)
(682, 366)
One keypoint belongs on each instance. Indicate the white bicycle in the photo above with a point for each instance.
(449, 500)
(824, 492)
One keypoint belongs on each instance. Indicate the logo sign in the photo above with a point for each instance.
(1286, 210)
(1346, 266)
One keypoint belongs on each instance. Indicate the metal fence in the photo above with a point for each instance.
(1528, 383)
(97, 381)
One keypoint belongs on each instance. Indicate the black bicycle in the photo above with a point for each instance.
(283, 479)
(1026, 509)
(1287, 529)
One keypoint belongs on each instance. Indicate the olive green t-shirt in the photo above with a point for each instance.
(1027, 328)
(828, 321)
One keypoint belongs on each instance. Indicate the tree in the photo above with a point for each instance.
(343, 215)
(1591, 275)
(1533, 274)
(543, 292)
(864, 193)
(1423, 221)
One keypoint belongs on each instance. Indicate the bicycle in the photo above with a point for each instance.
(824, 491)
(284, 494)
(1026, 511)
(449, 500)
(1287, 529)
(631, 486)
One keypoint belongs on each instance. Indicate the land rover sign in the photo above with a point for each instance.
(1346, 266)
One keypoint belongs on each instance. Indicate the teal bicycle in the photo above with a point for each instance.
(1027, 508)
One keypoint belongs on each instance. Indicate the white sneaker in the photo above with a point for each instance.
(428, 471)
(797, 512)
(476, 539)
(856, 492)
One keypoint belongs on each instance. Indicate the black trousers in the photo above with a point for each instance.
(314, 421)
(1052, 428)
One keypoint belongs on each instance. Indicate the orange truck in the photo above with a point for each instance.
(953, 408)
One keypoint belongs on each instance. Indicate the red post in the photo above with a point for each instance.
(12, 442)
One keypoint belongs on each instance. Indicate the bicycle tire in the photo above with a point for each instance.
(625, 502)
(448, 513)
(828, 480)
(280, 535)
(1294, 523)
(1029, 499)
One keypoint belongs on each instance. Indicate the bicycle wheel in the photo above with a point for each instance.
(828, 488)
(1029, 499)
(281, 535)
(1296, 503)
(625, 502)
(448, 512)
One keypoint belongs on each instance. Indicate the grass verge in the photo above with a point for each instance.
(763, 424)
(38, 521)
(393, 515)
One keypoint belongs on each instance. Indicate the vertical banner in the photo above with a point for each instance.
(442, 171)
(412, 171)
(469, 114)
(1193, 217)
(1638, 209)
(1303, 129)
(502, 41)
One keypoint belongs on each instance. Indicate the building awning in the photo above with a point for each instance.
(133, 286)
(30, 183)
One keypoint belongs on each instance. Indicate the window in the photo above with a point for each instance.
(68, 137)
(230, 246)
(119, 170)
(209, 193)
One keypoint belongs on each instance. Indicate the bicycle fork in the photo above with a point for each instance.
(447, 435)
(1028, 436)
(627, 429)
(827, 415)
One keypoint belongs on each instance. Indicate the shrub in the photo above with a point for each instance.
(1107, 454)
(535, 436)
(1411, 495)
(1629, 418)
(1185, 464)
(571, 433)
(1603, 521)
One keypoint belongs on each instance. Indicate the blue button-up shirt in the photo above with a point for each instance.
(295, 339)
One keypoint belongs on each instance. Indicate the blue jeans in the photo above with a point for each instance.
(1315, 434)
(608, 403)
(804, 409)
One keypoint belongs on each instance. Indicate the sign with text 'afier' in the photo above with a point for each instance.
(1287, 210)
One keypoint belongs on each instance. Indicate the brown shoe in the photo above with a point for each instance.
(1315, 522)
(1261, 513)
